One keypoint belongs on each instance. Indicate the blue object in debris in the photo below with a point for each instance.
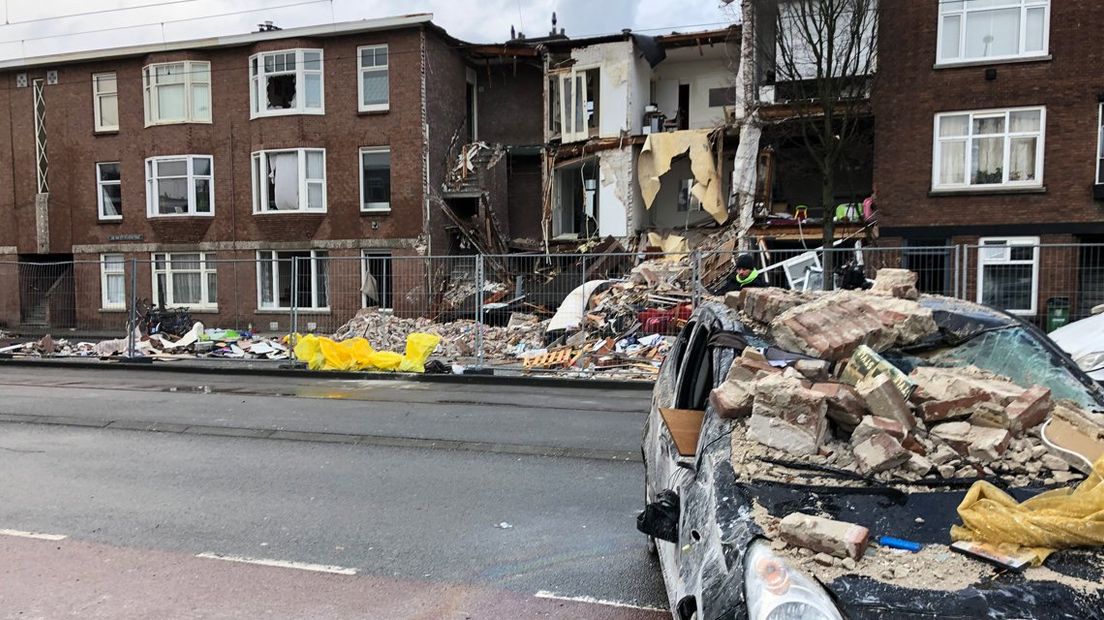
(899, 543)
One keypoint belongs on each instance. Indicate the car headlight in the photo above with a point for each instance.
(775, 591)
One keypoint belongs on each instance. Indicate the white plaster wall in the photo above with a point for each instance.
(615, 183)
(701, 76)
(615, 61)
(640, 95)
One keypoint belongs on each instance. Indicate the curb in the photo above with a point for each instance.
(472, 379)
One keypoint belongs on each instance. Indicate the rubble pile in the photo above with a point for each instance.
(216, 343)
(48, 347)
(458, 338)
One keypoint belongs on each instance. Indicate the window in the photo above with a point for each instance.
(177, 92)
(375, 179)
(992, 29)
(181, 185)
(105, 101)
(185, 279)
(109, 188)
(286, 82)
(577, 98)
(274, 280)
(720, 97)
(1100, 146)
(376, 279)
(372, 80)
(1008, 273)
(112, 282)
(292, 180)
(989, 149)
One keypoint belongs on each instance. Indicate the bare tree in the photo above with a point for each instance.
(821, 55)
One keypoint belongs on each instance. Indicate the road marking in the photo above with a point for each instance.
(593, 601)
(35, 535)
(318, 568)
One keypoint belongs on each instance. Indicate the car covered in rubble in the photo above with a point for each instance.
(715, 497)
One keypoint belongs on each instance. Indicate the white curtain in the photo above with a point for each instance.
(952, 162)
(993, 33)
(1022, 164)
(284, 176)
(988, 159)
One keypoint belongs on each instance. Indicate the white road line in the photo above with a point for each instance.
(593, 601)
(35, 535)
(318, 568)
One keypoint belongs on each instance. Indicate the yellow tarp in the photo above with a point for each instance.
(322, 353)
(673, 246)
(1053, 520)
(655, 161)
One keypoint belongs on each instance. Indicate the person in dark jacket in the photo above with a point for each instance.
(746, 276)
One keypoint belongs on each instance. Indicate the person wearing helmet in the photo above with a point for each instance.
(746, 276)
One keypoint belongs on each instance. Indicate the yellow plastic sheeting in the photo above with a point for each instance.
(1053, 520)
(655, 161)
(322, 353)
(673, 246)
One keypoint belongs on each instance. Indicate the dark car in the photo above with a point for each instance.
(721, 564)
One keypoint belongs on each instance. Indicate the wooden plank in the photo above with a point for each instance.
(685, 427)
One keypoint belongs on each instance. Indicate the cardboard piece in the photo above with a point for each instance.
(685, 427)
(1015, 560)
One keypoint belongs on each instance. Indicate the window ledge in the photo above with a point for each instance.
(299, 311)
(110, 220)
(170, 123)
(373, 111)
(995, 191)
(254, 117)
(379, 211)
(194, 308)
(985, 62)
(105, 132)
(290, 212)
(180, 216)
(113, 310)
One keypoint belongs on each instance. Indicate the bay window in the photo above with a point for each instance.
(275, 270)
(971, 30)
(989, 149)
(185, 280)
(112, 282)
(179, 186)
(286, 82)
(373, 78)
(177, 92)
(289, 180)
(1008, 273)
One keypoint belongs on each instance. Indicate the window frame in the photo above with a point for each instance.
(152, 183)
(274, 258)
(389, 296)
(105, 303)
(361, 70)
(207, 268)
(1007, 135)
(190, 80)
(1024, 5)
(100, 183)
(375, 207)
(256, 110)
(577, 77)
(259, 162)
(1010, 242)
(1099, 144)
(97, 102)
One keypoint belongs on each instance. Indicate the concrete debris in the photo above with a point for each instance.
(845, 406)
(873, 425)
(884, 400)
(987, 444)
(900, 283)
(879, 452)
(834, 538)
(788, 416)
(1029, 409)
(763, 304)
(733, 399)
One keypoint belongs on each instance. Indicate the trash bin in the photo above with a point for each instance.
(1057, 313)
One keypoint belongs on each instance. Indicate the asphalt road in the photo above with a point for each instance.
(445, 500)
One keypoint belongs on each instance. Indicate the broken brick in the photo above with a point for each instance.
(987, 444)
(813, 370)
(899, 283)
(845, 407)
(788, 416)
(879, 453)
(952, 409)
(885, 400)
(1029, 409)
(990, 415)
(956, 434)
(733, 399)
(919, 465)
(872, 425)
(836, 538)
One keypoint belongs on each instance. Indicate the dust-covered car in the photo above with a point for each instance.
(715, 512)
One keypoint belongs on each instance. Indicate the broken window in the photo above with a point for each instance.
(182, 185)
(375, 188)
(177, 92)
(376, 288)
(286, 82)
(112, 281)
(109, 190)
(374, 78)
(275, 276)
(575, 210)
(291, 180)
(185, 279)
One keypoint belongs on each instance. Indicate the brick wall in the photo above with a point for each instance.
(909, 92)
(510, 103)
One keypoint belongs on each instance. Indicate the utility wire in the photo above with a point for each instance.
(91, 13)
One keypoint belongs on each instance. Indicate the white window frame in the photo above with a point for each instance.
(153, 181)
(206, 270)
(987, 256)
(98, 98)
(362, 70)
(375, 207)
(1008, 135)
(258, 80)
(385, 254)
(273, 256)
(193, 77)
(260, 189)
(953, 8)
(577, 77)
(105, 303)
(100, 184)
(1100, 144)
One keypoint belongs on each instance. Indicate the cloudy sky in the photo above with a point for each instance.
(41, 27)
